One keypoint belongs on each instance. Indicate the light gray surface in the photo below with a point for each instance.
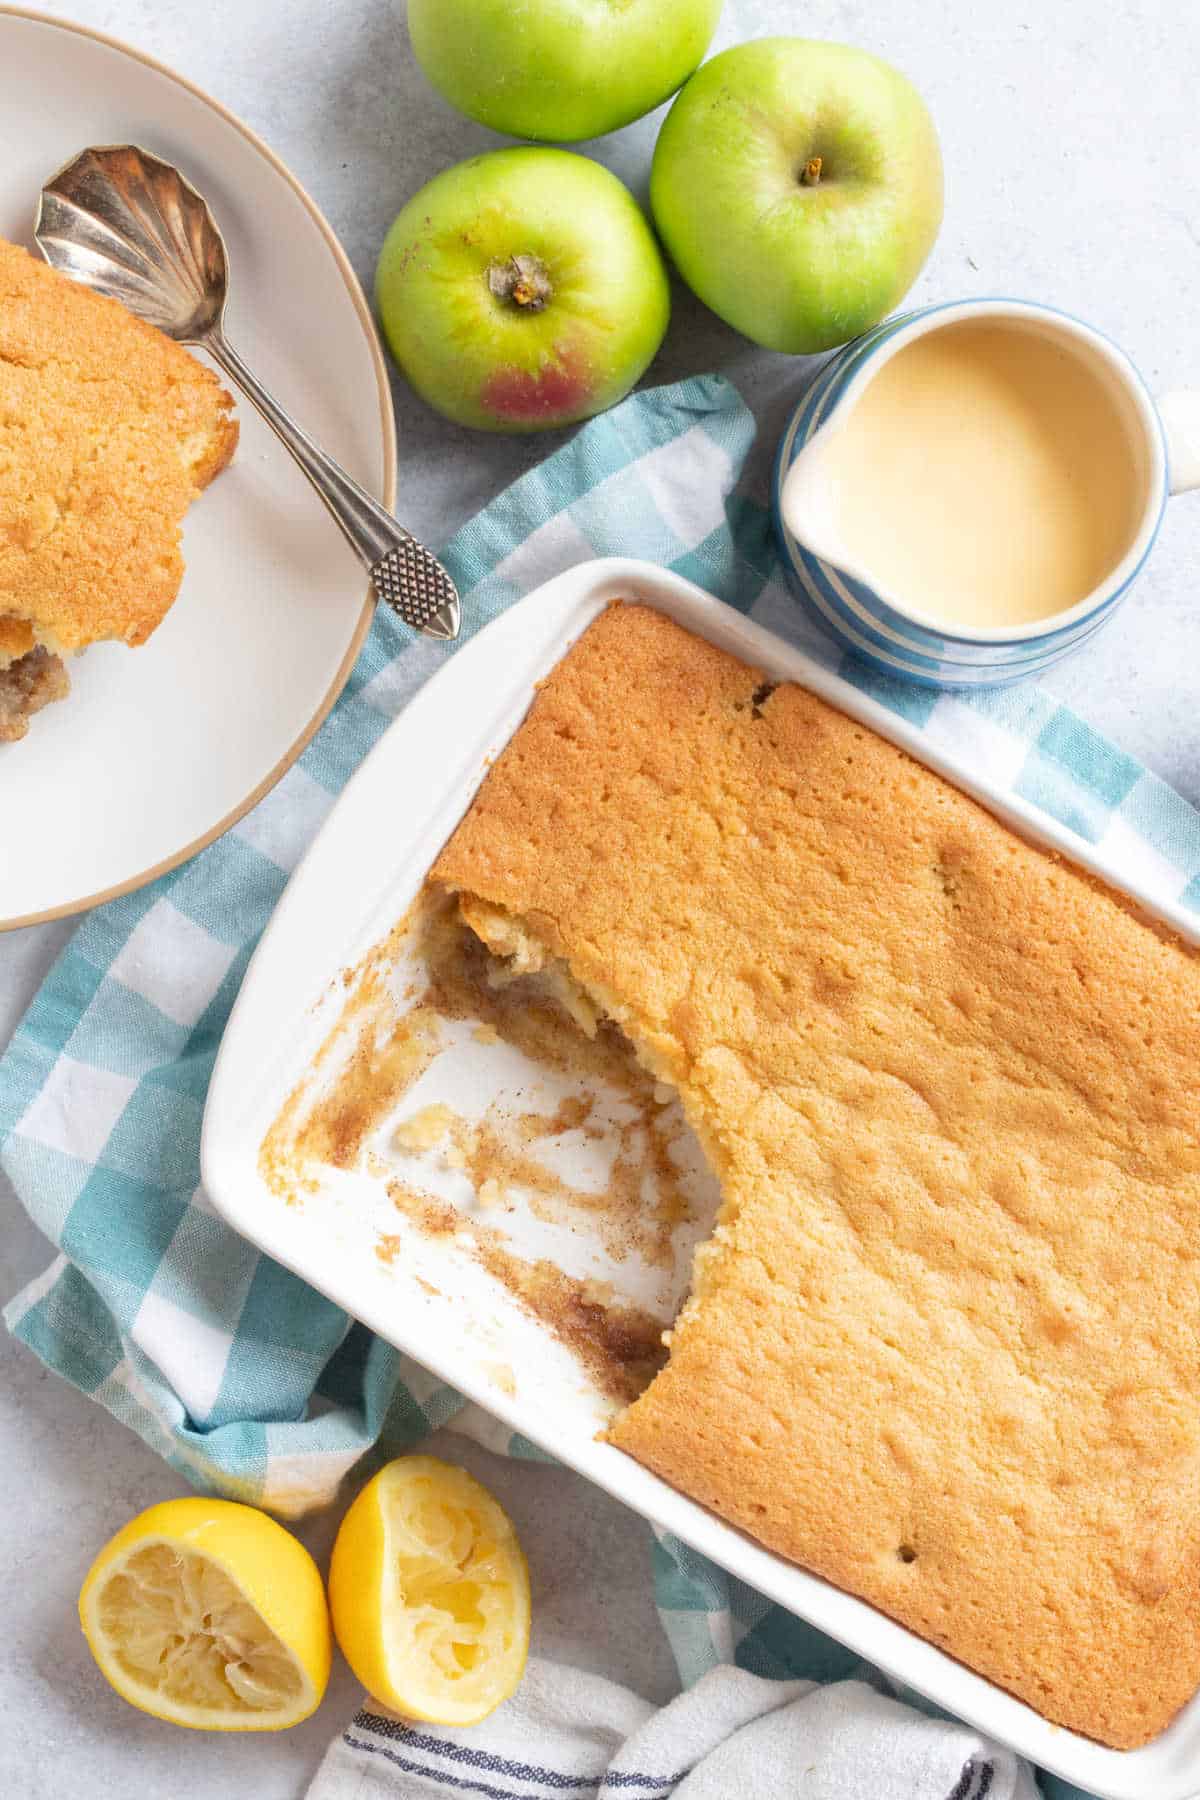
(1072, 177)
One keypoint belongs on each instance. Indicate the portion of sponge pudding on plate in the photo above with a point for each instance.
(108, 432)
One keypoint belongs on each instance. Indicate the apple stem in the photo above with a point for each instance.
(810, 175)
(522, 280)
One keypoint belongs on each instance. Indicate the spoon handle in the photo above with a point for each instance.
(403, 573)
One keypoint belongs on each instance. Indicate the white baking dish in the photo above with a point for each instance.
(357, 880)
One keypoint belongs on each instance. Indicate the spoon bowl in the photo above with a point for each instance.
(129, 225)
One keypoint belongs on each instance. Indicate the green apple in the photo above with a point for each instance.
(798, 188)
(522, 289)
(559, 69)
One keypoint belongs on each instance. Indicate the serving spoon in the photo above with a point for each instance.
(129, 225)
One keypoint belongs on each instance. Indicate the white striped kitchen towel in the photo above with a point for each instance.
(568, 1735)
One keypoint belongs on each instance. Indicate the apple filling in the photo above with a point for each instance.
(519, 954)
(27, 683)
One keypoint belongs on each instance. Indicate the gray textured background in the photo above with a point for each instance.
(1073, 176)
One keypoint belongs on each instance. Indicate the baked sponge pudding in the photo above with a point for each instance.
(944, 1344)
(108, 431)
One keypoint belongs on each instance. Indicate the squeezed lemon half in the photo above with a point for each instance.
(209, 1614)
(430, 1593)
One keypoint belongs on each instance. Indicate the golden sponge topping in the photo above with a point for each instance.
(944, 1345)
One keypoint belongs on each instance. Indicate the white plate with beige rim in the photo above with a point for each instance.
(156, 751)
(425, 1293)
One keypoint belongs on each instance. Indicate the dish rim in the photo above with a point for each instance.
(387, 420)
(1150, 1772)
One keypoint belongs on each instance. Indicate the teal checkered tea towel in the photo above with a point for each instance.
(244, 1379)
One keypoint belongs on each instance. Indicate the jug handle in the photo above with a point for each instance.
(1180, 414)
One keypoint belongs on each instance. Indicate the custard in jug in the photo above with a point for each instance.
(987, 476)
